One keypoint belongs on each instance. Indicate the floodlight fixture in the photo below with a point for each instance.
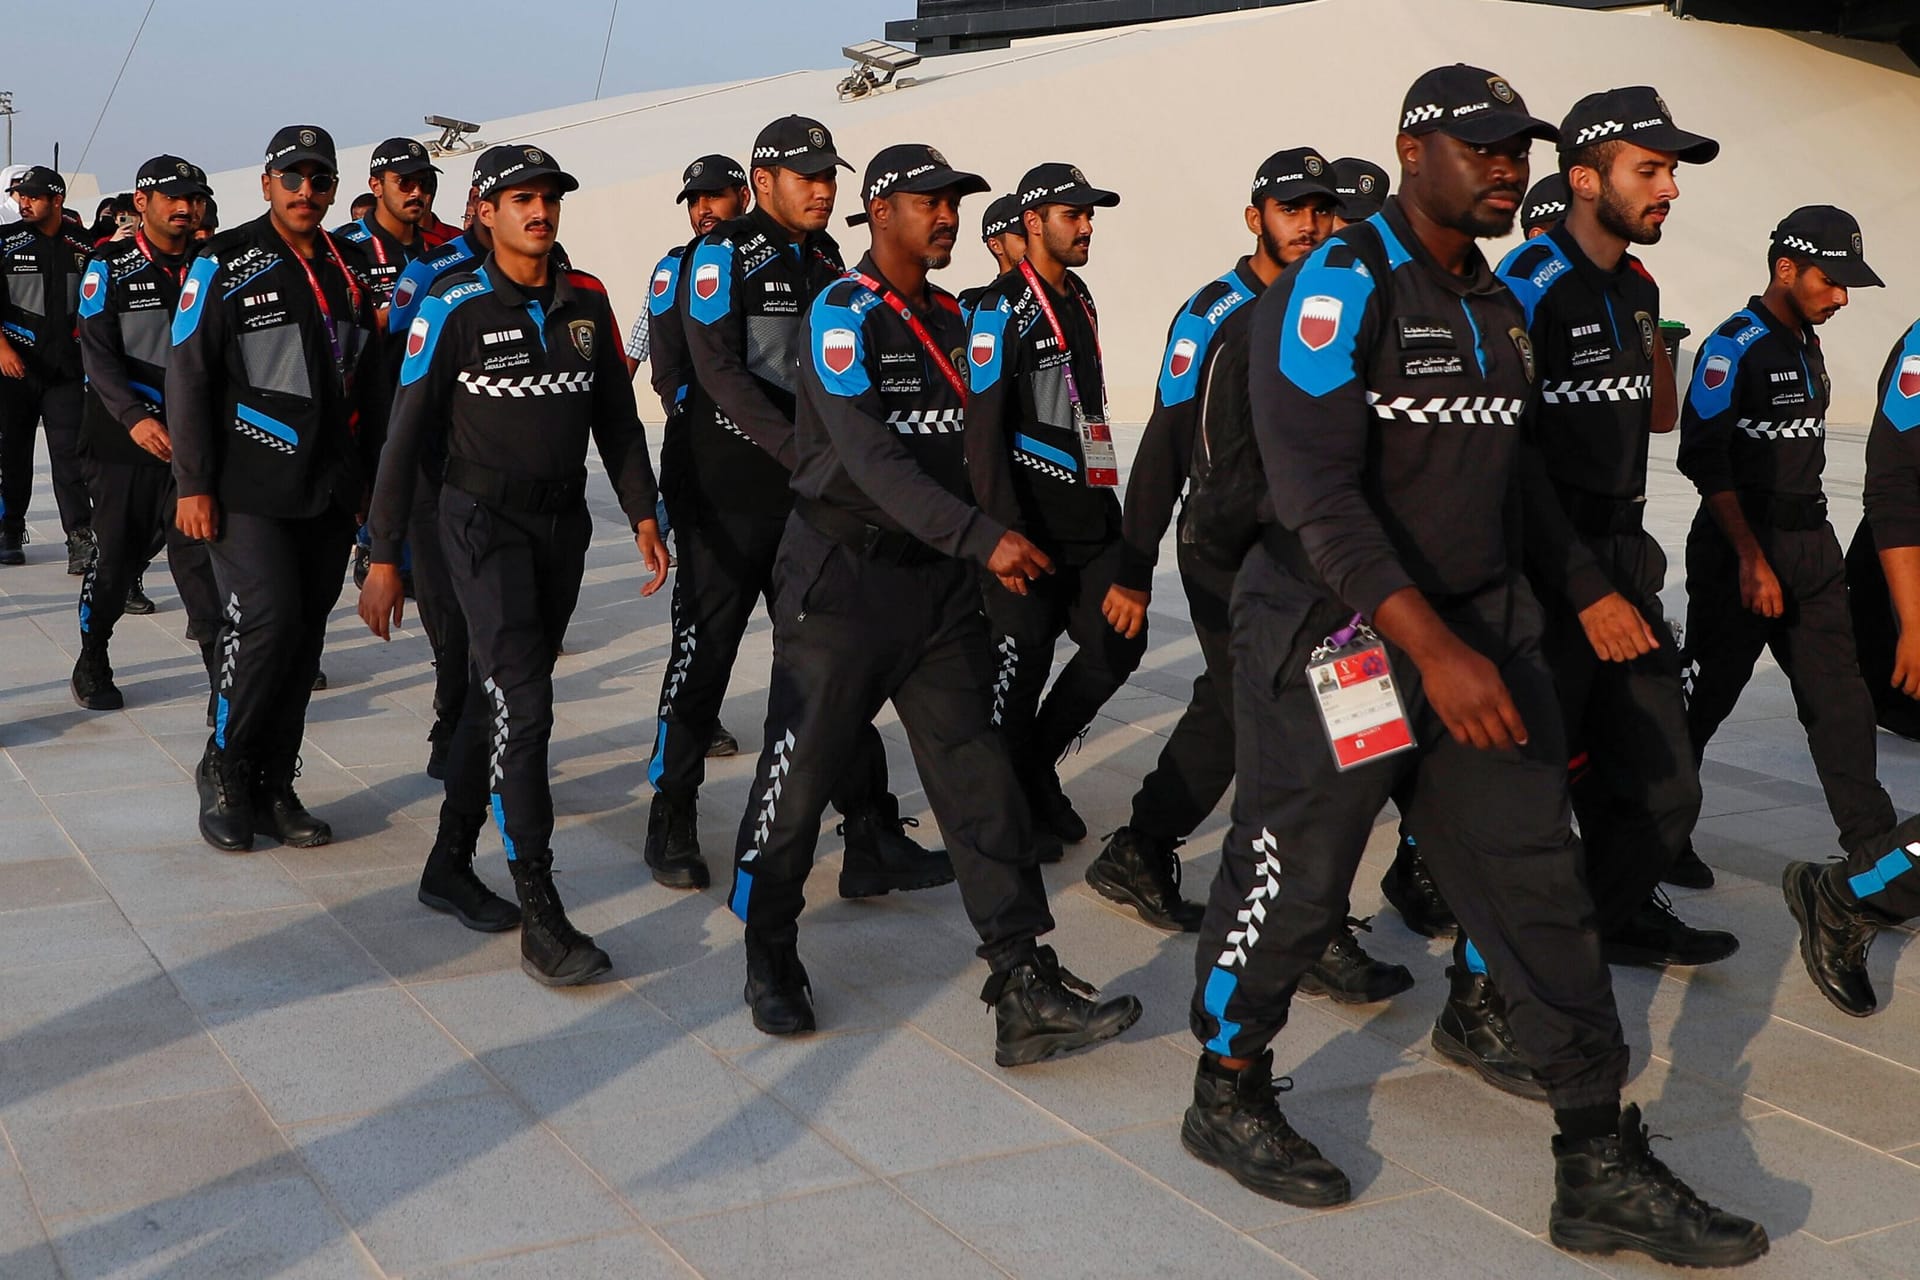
(875, 64)
(452, 139)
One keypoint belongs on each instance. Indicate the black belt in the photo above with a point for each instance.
(1599, 516)
(516, 493)
(1794, 513)
(869, 541)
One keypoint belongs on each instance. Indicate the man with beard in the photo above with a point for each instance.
(1005, 236)
(877, 604)
(1041, 457)
(1383, 635)
(1764, 569)
(262, 393)
(1593, 315)
(402, 179)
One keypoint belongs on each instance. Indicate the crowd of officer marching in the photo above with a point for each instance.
(1408, 489)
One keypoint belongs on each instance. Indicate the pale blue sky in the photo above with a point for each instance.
(211, 79)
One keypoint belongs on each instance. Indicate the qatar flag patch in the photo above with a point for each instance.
(190, 293)
(706, 280)
(1713, 374)
(417, 336)
(1319, 320)
(837, 349)
(1908, 380)
(403, 292)
(663, 281)
(1180, 360)
(980, 350)
(90, 287)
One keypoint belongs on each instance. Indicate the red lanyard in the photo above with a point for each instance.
(373, 238)
(1060, 337)
(320, 298)
(141, 242)
(913, 322)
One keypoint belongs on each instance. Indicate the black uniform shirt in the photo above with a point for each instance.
(520, 387)
(379, 254)
(127, 299)
(1593, 334)
(42, 298)
(1203, 379)
(670, 366)
(882, 431)
(1755, 417)
(1023, 449)
(747, 292)
(1893, 449)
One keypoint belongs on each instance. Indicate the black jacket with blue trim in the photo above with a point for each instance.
(379, 255)
(1755, 415)
(1893, 448)
(42, 296)
(747, 291)
(1593, 337)
(1203, 379)
(1023, 449)
(518, 388)
(1390, 419)
(257, 410)
(410, 289)
(881, 432)
(669, 366)
(126, 321)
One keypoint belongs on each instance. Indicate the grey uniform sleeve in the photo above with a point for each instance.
(716, 334)
(102, 353)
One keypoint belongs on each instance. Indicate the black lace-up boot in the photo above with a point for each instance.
(777, 990)
(1346, 973)
(1835, 932)
(226, 800)
(1042, 1011)
(1236, 1126)
(552, 952)
(1472, 1030)
(278, 812)
(448, 882)
(881, 857)
(673, 842)
(1138, 871)
(92, 682)
(1653, 935)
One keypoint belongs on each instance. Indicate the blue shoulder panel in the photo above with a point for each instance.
(1532, 269)
(1397, 255)
(423, 334)
(663, 286)
(418, 277)
(356, 232)
(1192, 334)
(1321, 330)
(1717, 368)
(193, 297)
(710, 294)
(986, 340)
(93, 288)
(1901, 403)
(839, 341)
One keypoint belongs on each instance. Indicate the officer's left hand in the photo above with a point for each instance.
(383, 599)
(1616, 630)
(653, 554)
(1906, 663)
(1125, 609)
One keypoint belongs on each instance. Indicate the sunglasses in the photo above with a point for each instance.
(293, 180)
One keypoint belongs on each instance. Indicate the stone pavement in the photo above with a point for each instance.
(279, 1064)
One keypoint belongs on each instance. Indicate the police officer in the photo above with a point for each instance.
(1764, 569)
(42, 258)
(1841, 905)
(1362, 187)
(875, 604)
(127, 298)
(1546, 202)
(749, 282)
(261, 394)
(1390, 372)
(520, 360)
(1005, 236)
(1041, 456)
(402, 179)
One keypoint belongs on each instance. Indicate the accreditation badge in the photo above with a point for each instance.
(1360, 708)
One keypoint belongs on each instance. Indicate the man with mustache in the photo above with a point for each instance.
(263, 396)
(1390, 376)
(877, 603)
(1040, 453)
(1764, 569)
(1006, 239)
(402, 180)
(748, 285)
(127, 299)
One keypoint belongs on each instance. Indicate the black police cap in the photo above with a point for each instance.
(1829, 238)
(710, 173)
(1361, 185)
(1471, 104)
(298, 143)
(796, 143)
(1638, 115)
(908, 167)
(514, 166)
(1288, 175)
(172, 176)
(400, 155)
(1001, 218)
(1546, 203)
(39, 181)
(1057, 183)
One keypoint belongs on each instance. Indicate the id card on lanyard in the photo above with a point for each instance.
(1096, 434)
(919, 330)
(1360, 707)
(342, 368)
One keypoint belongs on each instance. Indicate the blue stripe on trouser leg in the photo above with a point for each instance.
(1884, 872)
(494, 771)
(228, 660)
(1220, 988)
(1475, 964)
(777, 768)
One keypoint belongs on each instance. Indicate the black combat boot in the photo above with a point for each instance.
(1835, 932)
(1235, 1125)
(226, 800)
(137, 602)
(881, 857)
(1041, 1011)
(1612, 1193)
(81, 549)
(777, 988)
(277, 810)
(92, 681)
(1409, 886)
(1347, 974)
(12, 544)
(723, 743)
(1654, 936)
(673, 843)
(1141, 872)
(1688, 872)
(1052, 811)
(552, 952)
(448, 882)
(1472, 1030)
